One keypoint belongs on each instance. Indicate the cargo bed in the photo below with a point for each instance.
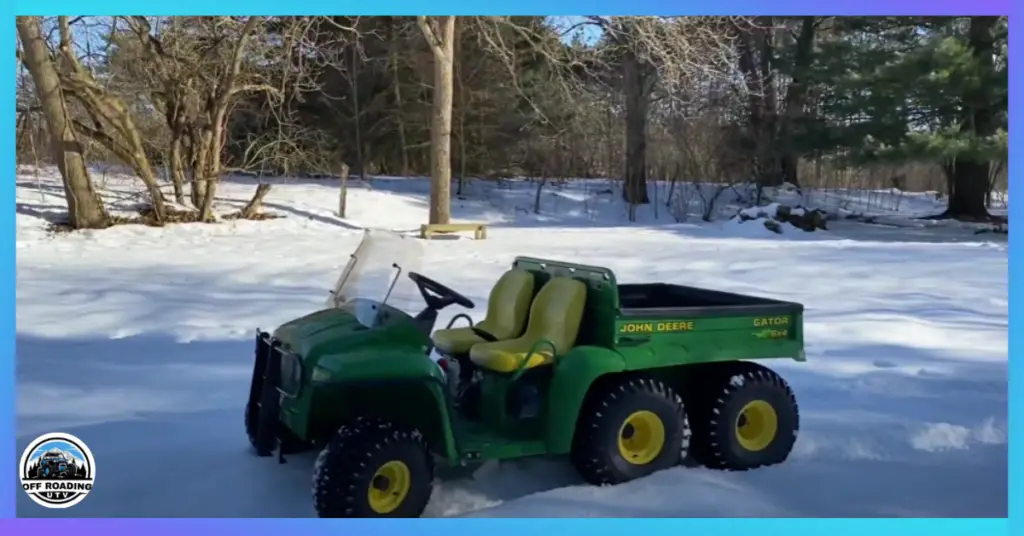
(656, 300)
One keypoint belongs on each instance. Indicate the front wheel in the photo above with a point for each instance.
(373, 468)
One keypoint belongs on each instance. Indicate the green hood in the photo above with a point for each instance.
(337, 331)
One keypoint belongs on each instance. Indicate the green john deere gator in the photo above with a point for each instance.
(626, 379)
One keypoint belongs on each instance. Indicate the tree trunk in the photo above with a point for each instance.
(970, 182)
(214, 139)
(145, 172)
(537, 194)
(460, 87)
(796, 97)
(443, 45)
(634, 190)
(441, 140)
(402, 141)
(255, 204)
(177, 123)
(199, 166)
(177, 171)
(357, 111)
(85, 208)
(211, 176)
(770, 163)
(462, 155)
(756, 53)
(343, 194)
(970, 175)
(127, 144)
(21, 127)
(993, 175)
(214, 135)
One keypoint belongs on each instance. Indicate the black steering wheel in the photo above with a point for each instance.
(437, 295)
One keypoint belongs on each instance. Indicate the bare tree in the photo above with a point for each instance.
(205, 69)
(673, 52)
(643, 60)
(440, 35)
(85, 209)
(112, 124)
(395, 34)
(208, 133)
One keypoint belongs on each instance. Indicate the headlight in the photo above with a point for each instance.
(320, 375)
(291, 373)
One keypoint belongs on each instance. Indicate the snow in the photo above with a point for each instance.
(139, 339)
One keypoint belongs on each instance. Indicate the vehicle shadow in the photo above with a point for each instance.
(163, 420)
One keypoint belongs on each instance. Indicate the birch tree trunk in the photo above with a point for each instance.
(85, 209)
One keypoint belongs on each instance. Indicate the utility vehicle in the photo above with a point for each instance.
(625, 379)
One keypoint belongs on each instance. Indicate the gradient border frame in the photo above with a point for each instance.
(497, 527)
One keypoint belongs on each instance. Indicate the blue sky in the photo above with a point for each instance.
(590, 31)
(91, 31)
(62, 445)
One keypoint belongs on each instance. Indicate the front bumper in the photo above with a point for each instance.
(265, 391)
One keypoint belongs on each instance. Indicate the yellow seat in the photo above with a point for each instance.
(507, 309)
(555, 316)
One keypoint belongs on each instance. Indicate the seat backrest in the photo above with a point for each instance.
(509, 305)
(556, 313)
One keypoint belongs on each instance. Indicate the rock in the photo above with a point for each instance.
(862, 218)
(802, 218)
(998, 228)
(773, 226)
(775, 215)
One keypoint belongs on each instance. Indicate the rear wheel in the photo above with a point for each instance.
(745, 417)
(373, 468)
(628, 430)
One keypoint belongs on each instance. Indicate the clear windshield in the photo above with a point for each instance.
(372, 269)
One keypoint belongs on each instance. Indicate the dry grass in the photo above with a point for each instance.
(147, 217)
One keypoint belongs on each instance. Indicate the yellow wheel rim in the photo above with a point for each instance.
(756, 425)
(641, 438)
(389, 487)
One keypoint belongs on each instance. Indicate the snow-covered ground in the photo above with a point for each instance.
(138, 341)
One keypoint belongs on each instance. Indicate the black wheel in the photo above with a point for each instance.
(745, 417)
(628, 430)
(290, 444)
(372, 468)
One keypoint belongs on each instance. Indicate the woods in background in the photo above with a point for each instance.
(910, 102)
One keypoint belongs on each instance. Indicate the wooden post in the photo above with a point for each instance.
(343, 196)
